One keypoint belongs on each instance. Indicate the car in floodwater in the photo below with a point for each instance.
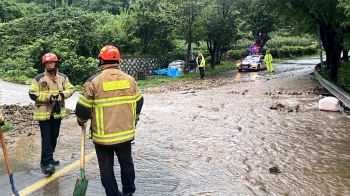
(252, 63)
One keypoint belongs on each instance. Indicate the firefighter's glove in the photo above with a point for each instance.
(1, 119)
(60, 96)
(56, 108)
(80, 123)
(54, 98)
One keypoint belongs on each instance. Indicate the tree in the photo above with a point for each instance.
(154, 26)
(346, 24)
(261, 22)
(325, 13)
(9, 10)
(188, 14)
(220, 21)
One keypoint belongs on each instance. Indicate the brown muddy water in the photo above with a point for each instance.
(212, 137)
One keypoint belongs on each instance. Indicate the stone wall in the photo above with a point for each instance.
(139, 66)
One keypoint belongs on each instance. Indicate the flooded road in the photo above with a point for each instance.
(212, 137)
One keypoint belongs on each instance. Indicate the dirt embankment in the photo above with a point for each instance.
(21, 120)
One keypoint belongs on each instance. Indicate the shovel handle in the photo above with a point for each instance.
(3, 144)
(82, 148)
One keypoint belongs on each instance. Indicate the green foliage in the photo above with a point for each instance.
(288, 41)
(67, 32)
(237, 54)
(9, 10)
(308, 15)
(344, 79)
(79, 68)
(343, 76)
(7, 127)
(78, 87)
(17, 70)
(243, 44)
(70, 23)
(118, 30)
(292, 51)
(220, 22)
(154, 25)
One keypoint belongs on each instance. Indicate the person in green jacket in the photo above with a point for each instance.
(201, 64)
(268, 60)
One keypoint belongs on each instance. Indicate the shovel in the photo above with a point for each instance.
(82, 183)
(9, 170)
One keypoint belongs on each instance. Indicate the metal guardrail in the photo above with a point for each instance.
(343, 97)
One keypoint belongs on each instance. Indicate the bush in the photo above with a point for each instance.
(292, 51)
(343, 79)
(237, 54)
(343, 75)
(7, 127)
(287, 41)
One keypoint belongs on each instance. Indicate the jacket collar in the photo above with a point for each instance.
(48, 74)
(110, 66)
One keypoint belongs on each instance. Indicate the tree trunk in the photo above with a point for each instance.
(189, 47)
(212, 47)
(332, 43)
(345, 55)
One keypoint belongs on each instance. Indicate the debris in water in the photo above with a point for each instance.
(274, 170)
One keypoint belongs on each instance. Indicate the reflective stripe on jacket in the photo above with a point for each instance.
(202, 64)
(41, 89)
(110, 99)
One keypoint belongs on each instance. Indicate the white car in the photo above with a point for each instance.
(252, 62)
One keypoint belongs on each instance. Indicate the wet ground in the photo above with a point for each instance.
(213, 137)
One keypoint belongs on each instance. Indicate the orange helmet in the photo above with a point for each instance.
(49, 57)
(109, 53)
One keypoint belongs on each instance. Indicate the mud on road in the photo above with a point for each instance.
(222, 135)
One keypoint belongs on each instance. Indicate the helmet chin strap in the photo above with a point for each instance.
(100, 63)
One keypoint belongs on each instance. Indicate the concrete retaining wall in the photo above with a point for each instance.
(139, 66)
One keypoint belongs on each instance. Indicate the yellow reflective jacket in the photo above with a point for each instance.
(113, 101)
(41, 89)
(202, 64)
(268, 58)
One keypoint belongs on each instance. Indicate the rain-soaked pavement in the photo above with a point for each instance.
(218, 141)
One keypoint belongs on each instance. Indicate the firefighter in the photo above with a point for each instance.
(49, 90)
(201, 64)
(268, 60)
(113, 102)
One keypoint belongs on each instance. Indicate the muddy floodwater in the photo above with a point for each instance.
(215, 137)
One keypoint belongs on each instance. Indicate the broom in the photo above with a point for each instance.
(82, 183)
(9, 170)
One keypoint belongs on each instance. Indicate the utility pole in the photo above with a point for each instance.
(320, 43)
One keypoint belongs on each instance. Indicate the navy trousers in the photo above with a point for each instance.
(201, 72)
(49, 133)
(105, 156)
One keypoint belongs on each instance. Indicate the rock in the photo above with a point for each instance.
(274, 170)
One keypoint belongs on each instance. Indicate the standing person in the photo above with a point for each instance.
(201, 64)
(268, 60)
(113, 102)
(49, 90)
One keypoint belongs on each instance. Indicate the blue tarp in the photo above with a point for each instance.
(169, 72)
